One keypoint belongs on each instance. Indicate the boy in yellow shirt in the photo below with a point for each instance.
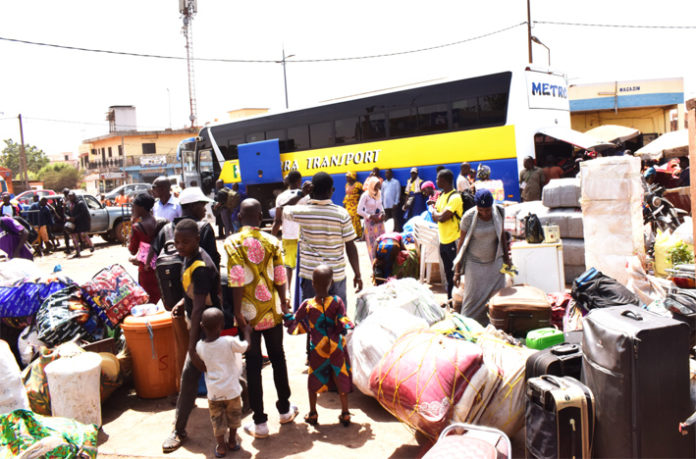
(447, 212)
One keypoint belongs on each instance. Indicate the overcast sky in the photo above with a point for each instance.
(75, 89)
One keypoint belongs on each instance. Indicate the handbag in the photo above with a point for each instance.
(533, 231)
(69, 227)
(141, 256)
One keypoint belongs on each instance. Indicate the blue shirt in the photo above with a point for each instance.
(391, 191)
(170, 210)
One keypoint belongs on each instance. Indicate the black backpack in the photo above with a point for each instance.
(33, 235)
(592, 290)
(533, 232)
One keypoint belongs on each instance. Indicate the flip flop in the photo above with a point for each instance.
(173, 442)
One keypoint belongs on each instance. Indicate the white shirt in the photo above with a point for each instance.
(223, 362)
(170, 210)
(463, 183)
(369, 206)
(291, 230)
(391, 191)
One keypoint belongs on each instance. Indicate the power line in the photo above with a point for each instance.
(264, 61)
(617, 26)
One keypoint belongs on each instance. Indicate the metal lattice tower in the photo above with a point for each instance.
(188, 9)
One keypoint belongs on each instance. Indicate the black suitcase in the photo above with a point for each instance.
(559, 418)
(637, 365)
(559, 360)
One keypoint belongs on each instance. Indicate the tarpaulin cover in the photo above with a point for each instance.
(422, 378)
(407, 294)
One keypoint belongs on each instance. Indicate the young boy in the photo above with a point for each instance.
(201, 281)
(328, 358)
(223, 363)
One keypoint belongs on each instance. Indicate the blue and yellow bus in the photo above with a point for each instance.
(496, 119)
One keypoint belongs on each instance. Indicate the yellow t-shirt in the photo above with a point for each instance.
(449, 230)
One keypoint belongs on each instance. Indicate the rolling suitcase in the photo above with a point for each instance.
(519, 309)
(470, 441)
(560, 360)
(637, 364)
(559, 417)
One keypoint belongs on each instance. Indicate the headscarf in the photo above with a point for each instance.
(352, 175)
(483, 172)
(483, 198)
(370, 186)
(427, 184)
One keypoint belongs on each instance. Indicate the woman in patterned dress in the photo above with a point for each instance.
(350, 201)
(371, 210)
(324, 318)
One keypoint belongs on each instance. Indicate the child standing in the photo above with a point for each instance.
(324, 318)
(223, 367)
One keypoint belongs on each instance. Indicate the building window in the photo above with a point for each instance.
(149, 149)
(110, 153)
(120, 150)
(94, 151)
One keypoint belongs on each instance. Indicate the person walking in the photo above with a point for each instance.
(531, 180)
(166, 206)
(257, 276)
(81, 221)
(65, 212)
(371, 210)
(144, 231)
(391, 195)
(350, 201)
(7, 208)
(463, 181)
(44, 220)
(447, 213)
(483, 247)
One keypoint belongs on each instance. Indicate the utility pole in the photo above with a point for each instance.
(22, 155)
(188, 9)
(285, 76)
(529, 30)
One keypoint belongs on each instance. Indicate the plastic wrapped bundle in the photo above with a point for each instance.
(569, 221)
(478, 394)
(373, 338)
(458, 326)
(422, 378)
(573, 252)
(505, 410)
(407, 294)
(563, 192)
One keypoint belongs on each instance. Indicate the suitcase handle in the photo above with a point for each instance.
(565, 349)
(477, 428)
(551, 380)
(632, 315)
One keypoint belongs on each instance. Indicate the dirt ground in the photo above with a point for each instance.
(134, 427)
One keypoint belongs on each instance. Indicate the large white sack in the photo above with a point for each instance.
(407, 294)
(569, 221)
(563, 192)
(18, 269)
(373, 337)
(614, 177)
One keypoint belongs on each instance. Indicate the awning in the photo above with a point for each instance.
(670, 145)
(576, 138)
(613, 133)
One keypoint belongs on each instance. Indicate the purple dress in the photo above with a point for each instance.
(9, 238)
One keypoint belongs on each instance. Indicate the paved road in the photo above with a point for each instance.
(136, 428)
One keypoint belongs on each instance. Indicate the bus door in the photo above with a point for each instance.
(261, 172)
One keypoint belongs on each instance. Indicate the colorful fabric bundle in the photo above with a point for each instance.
(66, 315)
(27, 434)
(115, 292)
(36, 384)
(422, 378)
(25, 298)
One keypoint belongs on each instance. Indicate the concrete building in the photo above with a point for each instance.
(651, 106)
(126, 155)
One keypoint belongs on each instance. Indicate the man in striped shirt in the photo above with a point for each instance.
(325, 229)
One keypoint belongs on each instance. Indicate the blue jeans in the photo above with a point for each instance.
(337, 288)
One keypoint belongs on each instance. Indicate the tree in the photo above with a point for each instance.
(36, 158)
(58, 176)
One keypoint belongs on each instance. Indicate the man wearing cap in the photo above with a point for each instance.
(166, 206)
(447, 212)
(413, 194)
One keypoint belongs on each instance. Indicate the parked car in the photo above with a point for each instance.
(108, 222)
(130, 190)
(27, 197)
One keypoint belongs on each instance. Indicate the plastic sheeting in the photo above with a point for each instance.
(373, 337)
(18, 269)
(569, 221)
(564, 192)
(574, 252)
(407, 294)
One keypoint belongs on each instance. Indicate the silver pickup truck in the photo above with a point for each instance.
(108, 222)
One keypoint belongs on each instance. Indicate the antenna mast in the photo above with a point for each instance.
(188, 9)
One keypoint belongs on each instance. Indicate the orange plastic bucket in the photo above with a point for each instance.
(151, 343)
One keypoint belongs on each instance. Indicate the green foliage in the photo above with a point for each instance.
(59, 176)
(36, 158)
(681, 254)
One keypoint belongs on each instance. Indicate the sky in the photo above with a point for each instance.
(63, 95)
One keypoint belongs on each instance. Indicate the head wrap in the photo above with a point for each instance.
(370, 186)
(483, 198)
(352, 175)
(427, 184)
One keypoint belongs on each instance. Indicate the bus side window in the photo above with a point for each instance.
(432, 118)
(401, 123)
(493, 108)
(465, 113)
(347, 130)
(321, 134)
(373, 126)
(298, 138)
(255, 137)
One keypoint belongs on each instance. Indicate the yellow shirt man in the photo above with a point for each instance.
(449, 230)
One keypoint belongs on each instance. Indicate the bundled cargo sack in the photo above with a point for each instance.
(18, 269)
(24, 299)
(115, 292)
(569, 222)
(573, 252)
(423, 376)
(65, 315)
(593, 290)
(467, 440)
(27, 434)
(406, 294)
(505, 410)
(373, 337)
(563, 192)
(13, 396)
(478, 393)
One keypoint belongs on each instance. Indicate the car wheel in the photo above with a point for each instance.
(108, 237)
(122, 231)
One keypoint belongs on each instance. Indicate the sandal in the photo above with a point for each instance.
(236, 446)
(312, 418)
(217, 452)
(173, 442)
(344, 418)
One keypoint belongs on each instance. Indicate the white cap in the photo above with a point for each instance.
(191, 195)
